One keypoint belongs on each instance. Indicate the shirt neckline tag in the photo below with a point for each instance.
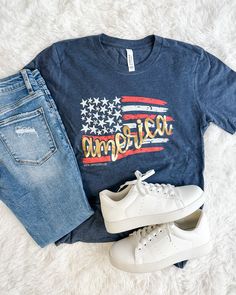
(130, 60)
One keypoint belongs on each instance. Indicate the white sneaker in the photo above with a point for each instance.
(142, 203)
(158, 246)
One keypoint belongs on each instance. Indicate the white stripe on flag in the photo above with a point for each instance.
(134, 125)
(145, 108)
(146, 141)
(155, 140)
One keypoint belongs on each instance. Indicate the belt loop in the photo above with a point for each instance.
(27, 81)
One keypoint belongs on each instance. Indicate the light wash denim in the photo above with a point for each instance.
(39, 176)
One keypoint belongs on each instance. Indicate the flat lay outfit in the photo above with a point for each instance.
(84, 114)
(35, 153)
(135, 104)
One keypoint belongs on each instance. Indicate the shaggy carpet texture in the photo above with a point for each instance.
(27, 27)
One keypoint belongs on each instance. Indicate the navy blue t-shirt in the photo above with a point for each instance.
(121, 118)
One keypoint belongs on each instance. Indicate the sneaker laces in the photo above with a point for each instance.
(166, 188)
(145, 188)
(139, 177)
(147, 233)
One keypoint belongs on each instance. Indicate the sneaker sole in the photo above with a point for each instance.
(140, 221)
(151, 267)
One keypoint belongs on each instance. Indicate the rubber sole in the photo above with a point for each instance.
(155, 266)
(140, 221)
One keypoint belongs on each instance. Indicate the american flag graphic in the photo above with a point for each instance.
(102, 118)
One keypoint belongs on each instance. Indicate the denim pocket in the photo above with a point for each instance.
(27, 137)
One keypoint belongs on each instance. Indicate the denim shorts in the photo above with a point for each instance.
(40, 179)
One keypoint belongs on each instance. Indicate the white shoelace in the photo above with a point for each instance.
(148, 233)
(145, 188)
(166, 188)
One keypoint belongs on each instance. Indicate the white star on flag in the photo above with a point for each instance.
(104, 101)
(110, 120)
(117, 114)
(100, 115)
(84, 112)
(96, 115)
(85, 128)
(93, 129)
(117, 100)
(96, 100)
(83, 102)
(101, 123)
(89, 120)
(90, 107)
(118, 127)
(103, 109)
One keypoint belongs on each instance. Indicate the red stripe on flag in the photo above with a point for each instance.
(96, 160)
(141, 150)
(136, 133)
(143, 99)
(169, 118)
(120, 156)
(143, 116)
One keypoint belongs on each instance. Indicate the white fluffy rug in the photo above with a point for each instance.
(27, 27)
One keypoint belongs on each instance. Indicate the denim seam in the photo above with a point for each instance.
(46, 93)
(19, 117)
(20, 102)
(12, 89)
(49, 128)
(10, 78)
(53, 105)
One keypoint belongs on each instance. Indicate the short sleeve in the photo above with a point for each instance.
(46, 59)
(215, 87)
(49, 65)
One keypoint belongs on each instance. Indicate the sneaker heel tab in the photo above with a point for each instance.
(103, 193)
(200, 189)
(105, 199)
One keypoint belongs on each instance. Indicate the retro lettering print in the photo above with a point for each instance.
(123, 126)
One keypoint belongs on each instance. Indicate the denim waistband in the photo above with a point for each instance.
(25, 78)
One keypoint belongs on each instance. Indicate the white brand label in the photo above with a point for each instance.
(130, 60)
